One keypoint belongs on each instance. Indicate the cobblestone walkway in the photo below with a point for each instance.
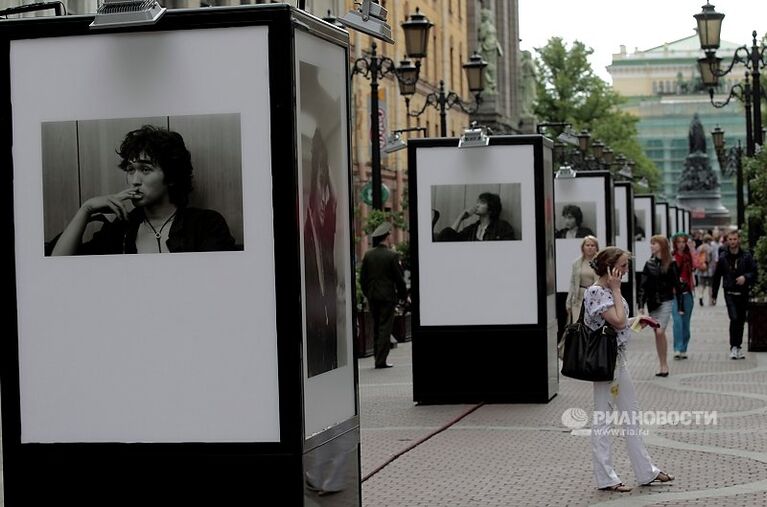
(518, 455)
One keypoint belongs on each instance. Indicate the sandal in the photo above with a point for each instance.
(620, 488)
(661, 477)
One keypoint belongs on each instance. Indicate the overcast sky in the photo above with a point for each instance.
(606, 24)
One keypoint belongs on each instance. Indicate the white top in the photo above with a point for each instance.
(598, 300)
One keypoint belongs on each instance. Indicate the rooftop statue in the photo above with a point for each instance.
(489, 47)
(697, 138)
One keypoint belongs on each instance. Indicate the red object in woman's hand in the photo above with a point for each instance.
(646, 319)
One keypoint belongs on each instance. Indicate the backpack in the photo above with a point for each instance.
(702, 260)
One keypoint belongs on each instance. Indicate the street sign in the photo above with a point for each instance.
(366, 193)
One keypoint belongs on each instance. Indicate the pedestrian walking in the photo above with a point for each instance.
(681, 313)
(657, 290)
(704, 270)
(383, 284)
(605, 304)
(582, 277)
(736, 271)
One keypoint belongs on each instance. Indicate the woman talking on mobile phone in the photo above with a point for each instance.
(604, 304)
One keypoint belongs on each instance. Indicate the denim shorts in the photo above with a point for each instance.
(662, 314)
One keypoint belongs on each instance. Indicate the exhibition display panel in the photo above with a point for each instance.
(482, 261)
(179, 352)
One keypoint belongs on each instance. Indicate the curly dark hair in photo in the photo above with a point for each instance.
(607, 258)
(165, 149)
(493, 202)
(573, 211)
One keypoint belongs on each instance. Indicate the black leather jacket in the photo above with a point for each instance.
(729, 267)
(657, 286)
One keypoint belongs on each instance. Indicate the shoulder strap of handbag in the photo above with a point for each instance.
(583, 305)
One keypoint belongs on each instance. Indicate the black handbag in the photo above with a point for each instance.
(589, 354)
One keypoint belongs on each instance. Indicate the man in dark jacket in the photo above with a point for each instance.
(383, 284)
(152, 214)
(736, 270)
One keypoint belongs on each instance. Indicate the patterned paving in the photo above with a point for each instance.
(503, 455)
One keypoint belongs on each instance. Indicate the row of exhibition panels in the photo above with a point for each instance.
(191, 374)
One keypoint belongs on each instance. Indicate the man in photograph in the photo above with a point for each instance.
(639, 234)
(489, 226)
(573, 224)
(320, 265)
(383, 284)
(152, 214)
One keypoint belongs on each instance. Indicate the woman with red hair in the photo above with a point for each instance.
(687, 263)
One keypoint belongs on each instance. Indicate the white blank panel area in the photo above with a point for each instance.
(478, 282)
(145, 348)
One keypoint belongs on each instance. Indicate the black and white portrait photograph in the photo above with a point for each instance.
(640, 219)
(672, 221)
(644, 224)
(623, 216)
(142, 185)
(661, 218)
(323, 174)
(325, 232)
(575, 219)
(582, 207)
(476, 212)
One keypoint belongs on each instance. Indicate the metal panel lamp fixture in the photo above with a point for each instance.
(474, 137)
(565, 172)
(116, 13)
(394, 143)
(370, 18)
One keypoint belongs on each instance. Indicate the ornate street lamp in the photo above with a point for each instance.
(584, 140)
(374, 68)
(443, 100)
(731, 161)
(709, 29)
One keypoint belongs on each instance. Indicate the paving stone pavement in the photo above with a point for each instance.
(523, 454)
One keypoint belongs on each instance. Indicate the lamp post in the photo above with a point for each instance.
(731, 160)
(442, 100)
(709, 29)
(583, 153)
(375, 67)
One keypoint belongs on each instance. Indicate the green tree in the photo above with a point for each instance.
(569, 91)
(756, 217)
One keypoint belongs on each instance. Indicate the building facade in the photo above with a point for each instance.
(664, 91)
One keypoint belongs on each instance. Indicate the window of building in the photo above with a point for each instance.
(460, 74)
(452, 65)
(436, 54)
